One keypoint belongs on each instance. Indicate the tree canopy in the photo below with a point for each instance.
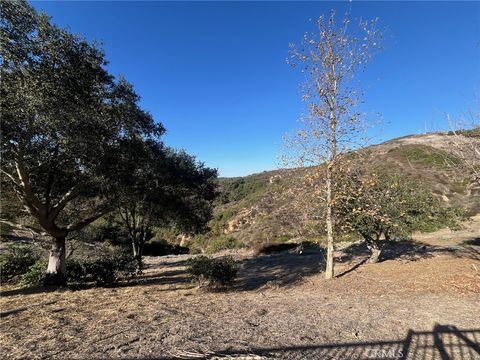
(69, 129)
(385, 207)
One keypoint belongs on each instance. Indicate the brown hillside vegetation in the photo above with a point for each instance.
(423, 300)
(258, 209)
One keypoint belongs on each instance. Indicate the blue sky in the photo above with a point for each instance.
(214, 73)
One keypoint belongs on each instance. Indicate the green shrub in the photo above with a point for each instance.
(98, 271)
(5, 229)
(101, 271)
(218, 223)
(198, 243)
(214, 272)
(223, 243)
(239, 188)
(35, 274)
(15, 261)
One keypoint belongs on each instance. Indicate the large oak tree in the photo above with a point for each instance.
(64, 122)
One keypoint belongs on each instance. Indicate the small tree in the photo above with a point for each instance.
(168, 189)
(386, 207)
(464, 142)
(330, 58)
(64, 120)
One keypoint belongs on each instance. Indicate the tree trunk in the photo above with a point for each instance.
(57, 271)
(375, 255)
(136, 248)
(329, 224)
(137, 252)
(375, 251)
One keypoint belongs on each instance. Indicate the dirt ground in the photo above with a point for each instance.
(421, 302)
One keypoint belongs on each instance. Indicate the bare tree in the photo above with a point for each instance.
(333, 126)
(464, 142)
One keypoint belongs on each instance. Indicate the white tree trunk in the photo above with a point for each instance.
(329, 225)
(57, 270)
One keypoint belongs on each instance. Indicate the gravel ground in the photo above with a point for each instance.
(417, 304)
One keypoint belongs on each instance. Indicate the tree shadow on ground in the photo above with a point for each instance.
(172, 277)
(474, 241)
(444, 342)
(282, 269)
(410, 250)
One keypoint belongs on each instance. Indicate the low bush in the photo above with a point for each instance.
(15, 261)
(99, 271)
(35, 275)
(102, 271)
(223, 243)
(213, 272)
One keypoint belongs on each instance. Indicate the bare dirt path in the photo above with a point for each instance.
(416, 304)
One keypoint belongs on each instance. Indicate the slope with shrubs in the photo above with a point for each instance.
(259, 209)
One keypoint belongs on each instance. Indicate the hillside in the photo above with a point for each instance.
(257, 209)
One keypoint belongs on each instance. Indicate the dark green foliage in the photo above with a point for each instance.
(101, 271)
(76, 145)
(35, 275)
(168, 189)
(161, 248)
(239, 188)
(68, 126)
(10, 205)
(215, 272)
(392, 206)
(98, 271)
(15, 261)
(223, 243)
(5, 229)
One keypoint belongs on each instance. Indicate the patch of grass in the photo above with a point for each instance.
(224, 243)
(218, 223)
(424, 155)
(281, 239)
(459, 187)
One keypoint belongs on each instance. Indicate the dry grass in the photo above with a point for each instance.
(281, 307)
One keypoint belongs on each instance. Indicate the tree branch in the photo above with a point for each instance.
(81, 224)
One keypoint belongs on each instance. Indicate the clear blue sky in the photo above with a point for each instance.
(215, 73)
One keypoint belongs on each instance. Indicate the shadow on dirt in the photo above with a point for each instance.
(282, 269)
(474, 241)
(411, 251)
(443, 342)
